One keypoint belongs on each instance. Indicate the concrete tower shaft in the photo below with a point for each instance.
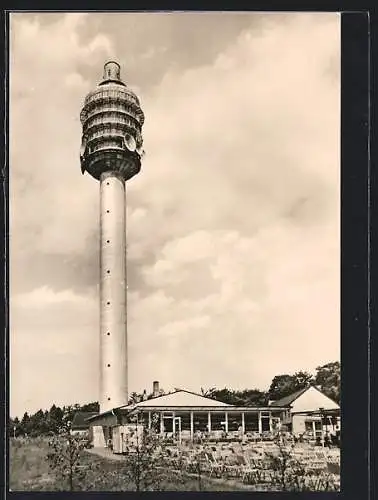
(111, 152)
(113, 292)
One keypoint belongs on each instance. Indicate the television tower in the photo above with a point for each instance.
(111, 151)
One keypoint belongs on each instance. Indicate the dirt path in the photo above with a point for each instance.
(105, 453)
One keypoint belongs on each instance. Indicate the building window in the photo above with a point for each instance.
(200, 421)
(265, 424)
(185, 421)
(168, 423)
(251, 422)
(318, 425)
(234, 421)
(218, 421)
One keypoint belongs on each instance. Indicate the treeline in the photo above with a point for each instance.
(326, 377)
(48, 421)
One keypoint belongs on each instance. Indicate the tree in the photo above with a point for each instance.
(252, 397)
(207, 393)
(303, 379)
(55, 419)
(281, 463)
(328, 378)
(284, 385)
(145, 459)
(246, 397)
(95, 407)
(64, 459)
(16, 423)
(25, 423)
(14, 427)
(50, 421)
(134, 398)
(290, 473)
(37, 424)
(224, 395)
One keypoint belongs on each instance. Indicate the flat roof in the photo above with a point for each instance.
(212, 409)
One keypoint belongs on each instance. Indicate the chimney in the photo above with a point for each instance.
(155, 389)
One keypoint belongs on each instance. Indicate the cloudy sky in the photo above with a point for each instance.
(233, 222)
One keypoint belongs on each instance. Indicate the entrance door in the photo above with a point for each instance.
(168, 425)
(177, 429)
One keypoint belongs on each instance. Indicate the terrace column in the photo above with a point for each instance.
(226, 421)
(243, 423)
(149, 420)
(209, 422)
(161, 423)
(191, 426)
(260, 423)
(173, 423)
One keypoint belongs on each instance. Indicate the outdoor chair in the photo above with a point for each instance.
(299, 452)
(230, 466)
(333, 468)
(254, 436)
(321, 455)
(261, 469)
(333, 458)
(247, 472)
(215, 466)
(201, 461)
(185, 460)
(315, 467)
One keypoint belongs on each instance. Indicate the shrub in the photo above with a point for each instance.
(65, 460)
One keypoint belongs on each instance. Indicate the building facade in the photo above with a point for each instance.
(311, 412)
(183, 415)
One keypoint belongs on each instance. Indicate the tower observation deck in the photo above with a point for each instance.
(111, 152)
(112, 121)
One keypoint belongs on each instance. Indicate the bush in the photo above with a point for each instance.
(65, 460)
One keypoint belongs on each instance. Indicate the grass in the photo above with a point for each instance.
(28, 468)
(29, 471)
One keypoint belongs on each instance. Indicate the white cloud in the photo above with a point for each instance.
(52, 334)
(45, 296)
(242, 172)
(233, 224)
(47, 91)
